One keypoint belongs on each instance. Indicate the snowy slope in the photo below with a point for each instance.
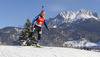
(80, 43)
(22, 51)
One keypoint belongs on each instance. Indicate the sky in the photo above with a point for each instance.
(16, 12)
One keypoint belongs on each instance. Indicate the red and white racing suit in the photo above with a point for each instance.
(39, 21)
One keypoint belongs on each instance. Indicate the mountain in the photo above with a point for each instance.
(71, 25)
(80, 43)
(20, 51)
(10, 35)
(71, 16)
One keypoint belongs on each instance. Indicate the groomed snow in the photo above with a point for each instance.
(24, 51)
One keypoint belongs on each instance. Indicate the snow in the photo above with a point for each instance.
(80, 43)
(71, 16)
(85, 14)
(29, 51)
(54, 26)
(18, 30)
(8, 32)
(12, 36)
(68, 15)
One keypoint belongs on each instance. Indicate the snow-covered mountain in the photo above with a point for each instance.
(80, 43)
(30, 51)
(85, 14)
(70, 16)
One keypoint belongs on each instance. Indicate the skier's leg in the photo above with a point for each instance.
(39, 34)
(39, 37)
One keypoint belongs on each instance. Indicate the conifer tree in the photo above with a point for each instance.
(27, 29)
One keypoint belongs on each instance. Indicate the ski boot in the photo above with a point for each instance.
(37, 45)
(27, 38)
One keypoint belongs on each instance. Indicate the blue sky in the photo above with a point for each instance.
(16, 12)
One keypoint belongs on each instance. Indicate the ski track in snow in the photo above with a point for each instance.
(30, 51)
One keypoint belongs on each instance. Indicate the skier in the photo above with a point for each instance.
(37, 27)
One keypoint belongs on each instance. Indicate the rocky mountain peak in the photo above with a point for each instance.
(70, 16)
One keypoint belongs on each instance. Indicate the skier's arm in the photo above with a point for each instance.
(46, 25)
(37, 17)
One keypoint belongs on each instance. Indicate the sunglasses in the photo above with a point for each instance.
(43, 13)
